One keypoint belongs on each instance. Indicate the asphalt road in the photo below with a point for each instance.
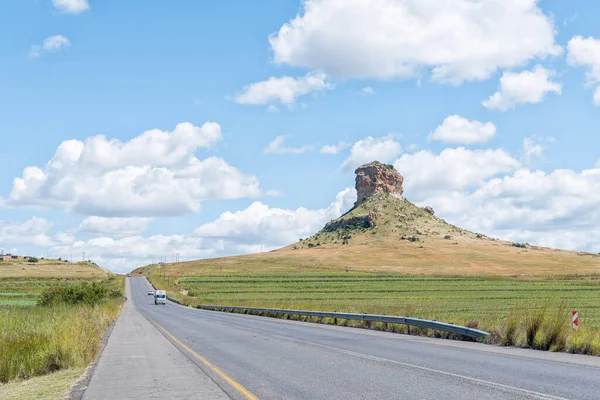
(279, 359)
(138, 362)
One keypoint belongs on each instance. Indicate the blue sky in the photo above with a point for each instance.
(524, 167)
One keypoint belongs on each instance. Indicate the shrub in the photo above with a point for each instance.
(84, 293)
(32, 259)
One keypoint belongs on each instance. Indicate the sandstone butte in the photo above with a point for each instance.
(376, 177)
(384, 232)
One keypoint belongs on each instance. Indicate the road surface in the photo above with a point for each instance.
(138, 362)
(253, 357)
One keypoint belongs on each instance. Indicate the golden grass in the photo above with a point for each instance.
(47, 387)
(51, 269)
(435, 257)
(441, 249)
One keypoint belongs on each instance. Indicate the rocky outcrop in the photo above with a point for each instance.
(429, 210)
(376, 177)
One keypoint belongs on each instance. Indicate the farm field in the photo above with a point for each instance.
(22, 282)
(488, 300)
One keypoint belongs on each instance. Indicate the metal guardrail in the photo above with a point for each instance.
(422, 323)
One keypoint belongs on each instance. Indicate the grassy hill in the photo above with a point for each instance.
(51, 268)
(21, 282)
(389, 256)
(389, 235)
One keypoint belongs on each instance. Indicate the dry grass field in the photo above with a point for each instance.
(51, 269)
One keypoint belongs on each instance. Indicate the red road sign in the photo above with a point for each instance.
(575, 320)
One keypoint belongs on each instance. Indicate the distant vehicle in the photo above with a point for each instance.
(160, 297)
(150, 292)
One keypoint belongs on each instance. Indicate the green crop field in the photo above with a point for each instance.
(449, 299)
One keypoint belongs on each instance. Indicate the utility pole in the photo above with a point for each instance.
(83, 256)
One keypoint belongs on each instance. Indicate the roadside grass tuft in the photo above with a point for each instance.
(510, 330)
(534, 322)
(555, 330)
(584, 341)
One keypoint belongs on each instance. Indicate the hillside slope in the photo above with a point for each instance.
(51, 268)
(389, 234)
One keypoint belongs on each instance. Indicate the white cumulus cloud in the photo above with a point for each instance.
(51, 44)
(523, 87)
(71, 6)
(458, 130)
(457, 40)
(274, 227)
(35, 232)
(284, 90)
(458, 169)
(258, 227)
(383, 149)
(333, 148)
(153, 174)
(489, 191)
(585, 52)
(113, 226)
(277, 146)
(557, 209)
(534, 147)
